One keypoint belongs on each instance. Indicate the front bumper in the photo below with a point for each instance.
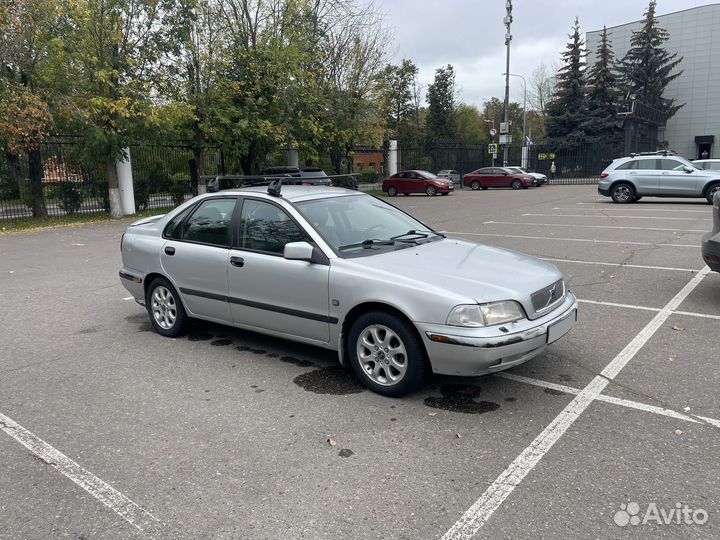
(480, 351)
(711, 251)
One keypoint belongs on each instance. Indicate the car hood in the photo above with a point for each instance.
(479, 272)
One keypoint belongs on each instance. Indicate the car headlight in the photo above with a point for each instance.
(477, 315)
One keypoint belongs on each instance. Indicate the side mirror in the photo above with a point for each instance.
(687, 169)
(298, 251)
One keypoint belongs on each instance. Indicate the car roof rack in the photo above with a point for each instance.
(223, 182)
(655, 153)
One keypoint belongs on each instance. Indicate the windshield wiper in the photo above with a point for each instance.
(369, 243)
(415, 234)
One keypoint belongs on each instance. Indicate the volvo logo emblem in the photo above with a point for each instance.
(552, 296)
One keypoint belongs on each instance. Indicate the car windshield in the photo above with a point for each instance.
(361, 224)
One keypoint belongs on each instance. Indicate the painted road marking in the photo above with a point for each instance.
(102, 491)
(481, 511)
(619, 217)
(645, 308)
(588, 240)
(615, 401)
(575, 226)
(623, 265)
(605, 209)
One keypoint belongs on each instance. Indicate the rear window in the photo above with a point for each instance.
(628, 165)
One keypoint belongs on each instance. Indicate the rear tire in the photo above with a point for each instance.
(386, 354)
(392, 191)
(711, 190)
(165, 309)
(622, 193)
(431, 191)
(475, 185)
(516, 184)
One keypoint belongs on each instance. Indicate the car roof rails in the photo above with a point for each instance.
(223, 182)
(655, 153)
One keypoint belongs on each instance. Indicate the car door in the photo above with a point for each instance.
(401, 182)
(500, 179)
(195, 257)
(675, 181)
(415, 183)
(485, 177)
(646, 177)
(267, 291)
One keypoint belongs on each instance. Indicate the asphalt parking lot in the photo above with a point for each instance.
(111, 431)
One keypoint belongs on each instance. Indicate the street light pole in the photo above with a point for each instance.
(508, 38)
(524, 141)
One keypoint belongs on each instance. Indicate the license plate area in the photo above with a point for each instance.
(562, 327)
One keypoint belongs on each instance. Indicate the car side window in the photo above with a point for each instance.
(628, 165)
(172, 229)
(210, 223)
(670, 165)
(713, 166)
(648, 164)
(266, 227)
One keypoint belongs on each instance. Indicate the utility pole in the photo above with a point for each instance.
(508, 38)
(524, 139)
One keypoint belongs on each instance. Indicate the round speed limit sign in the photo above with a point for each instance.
(493, 132)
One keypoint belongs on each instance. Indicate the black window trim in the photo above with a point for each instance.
(192, 209)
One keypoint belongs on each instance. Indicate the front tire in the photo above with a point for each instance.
(516, 184)
(165, 309)
(392, 191)
(622, 193)
(431, 191)
(386, 354)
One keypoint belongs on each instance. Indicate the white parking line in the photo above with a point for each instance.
(635, 209)
(645, 308)
(588, 240)
(480, 512)
(575, 226)
(102, 491)
(623, 265)
(615, 401)
(618, 217)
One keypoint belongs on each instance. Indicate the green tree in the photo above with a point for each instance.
(647, 68)
(471, 124)
(442, 104)
(398, 82)
(603, 95)
(567, 111)
(118, 47)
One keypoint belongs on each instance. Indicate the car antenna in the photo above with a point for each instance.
(275, 187)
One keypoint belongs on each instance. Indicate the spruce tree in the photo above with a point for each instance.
(647, 68)
(567, 111)
(603, 95)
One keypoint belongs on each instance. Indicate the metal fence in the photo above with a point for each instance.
(581, 164)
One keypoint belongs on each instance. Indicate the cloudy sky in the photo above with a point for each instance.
(469, 34)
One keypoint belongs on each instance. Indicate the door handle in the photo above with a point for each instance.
(237, 261)
(170, 250)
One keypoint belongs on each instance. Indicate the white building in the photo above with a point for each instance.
(694, 35)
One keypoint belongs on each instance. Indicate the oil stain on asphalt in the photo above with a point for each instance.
(460, 398)
(221, 342)
(333, 380)
(200, 336)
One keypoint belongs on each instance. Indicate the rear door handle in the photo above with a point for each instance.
(170, 250)
(237, 261)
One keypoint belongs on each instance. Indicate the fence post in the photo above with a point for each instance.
(392, 167)
(125, 184)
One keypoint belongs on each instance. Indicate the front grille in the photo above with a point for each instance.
(544, 299)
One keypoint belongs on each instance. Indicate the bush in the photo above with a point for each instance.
(368, 177)
(71, 197)
(180, 187)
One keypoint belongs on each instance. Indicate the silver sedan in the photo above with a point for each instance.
(348, 272)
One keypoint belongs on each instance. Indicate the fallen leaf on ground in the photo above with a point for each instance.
(432, 414)
(671, 359)
(677, 328)
(678, 432)
(331, 441)
(458, 435)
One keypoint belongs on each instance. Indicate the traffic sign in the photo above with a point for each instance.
(493, 132)
(492, 148)
(505, 139)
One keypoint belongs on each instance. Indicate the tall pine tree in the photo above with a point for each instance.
(603, 95)
(647, 68)
(567, 112)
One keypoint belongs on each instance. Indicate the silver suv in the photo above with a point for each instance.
(656, 174)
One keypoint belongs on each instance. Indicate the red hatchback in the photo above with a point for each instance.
(407, 182)
(494, 177)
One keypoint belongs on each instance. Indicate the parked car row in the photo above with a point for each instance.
(417, 181)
